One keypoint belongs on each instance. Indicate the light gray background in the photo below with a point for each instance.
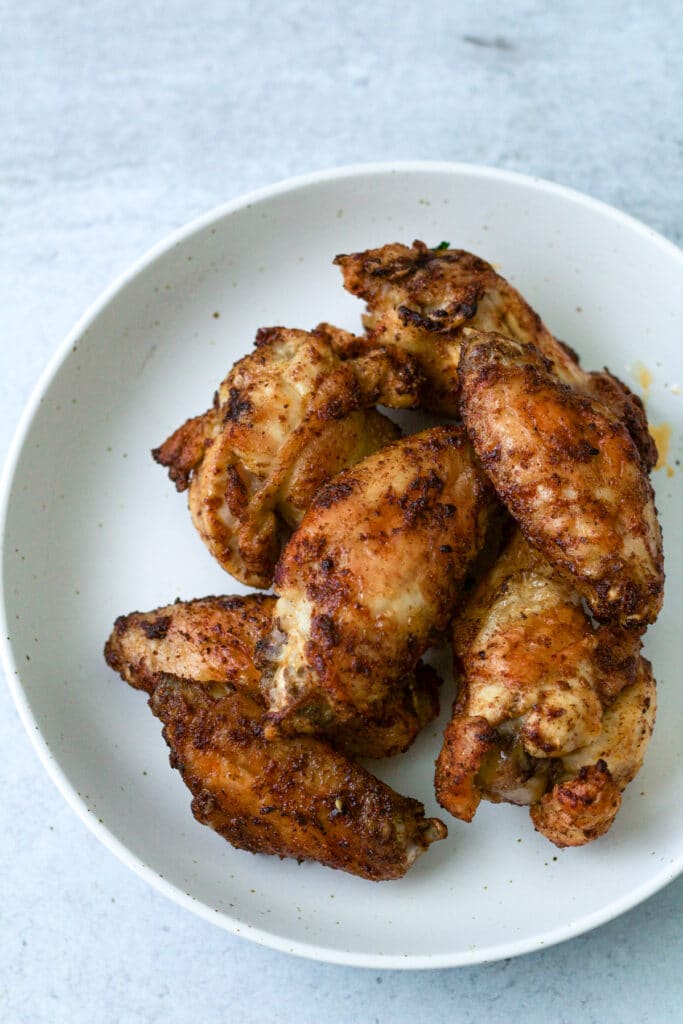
(121, 121)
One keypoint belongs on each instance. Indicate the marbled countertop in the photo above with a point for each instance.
(121, 121)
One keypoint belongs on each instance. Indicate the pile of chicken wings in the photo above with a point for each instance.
(522, 528)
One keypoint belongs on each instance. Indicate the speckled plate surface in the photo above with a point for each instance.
(93, 529)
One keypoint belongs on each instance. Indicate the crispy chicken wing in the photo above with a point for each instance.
(552, 712)
(370, 579)
(213, 640)
(288, 417)
(570, 474)
(420, 299)
(291, 797)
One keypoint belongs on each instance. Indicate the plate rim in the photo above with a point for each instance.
(312, 951)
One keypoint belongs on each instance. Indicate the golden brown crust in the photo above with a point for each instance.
(371, 577)
(391, 728)
(289, 416)
(208, 640)
(183, 451)
(467, 740)
(628, 409)
(578, 811)
(551, 712)
(418, 299)
(627, 726)
(213, 640)
(422, 300)
(290, 797)
(569, 473)
(297, 798)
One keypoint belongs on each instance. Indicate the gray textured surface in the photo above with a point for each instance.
(121, 121)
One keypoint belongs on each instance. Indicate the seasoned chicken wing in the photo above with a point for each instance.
(288, 417)
(569, 472)
(213, 640)
(420, 299)
(552, 713)
(291, 797)
(370, 579)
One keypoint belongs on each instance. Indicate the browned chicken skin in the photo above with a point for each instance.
(298, 797)
(287, 418)
(570, 474)
(584, 801)
(213, 640)
(295, 478)
(421, 299)
(551, 713)
(371, 577)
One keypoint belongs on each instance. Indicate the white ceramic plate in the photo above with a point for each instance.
(93, 529)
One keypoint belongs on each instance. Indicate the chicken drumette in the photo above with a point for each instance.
(294, 797)
(287, 418)
(570, 474)
(420, 299)
(370, 579)
(552, 712)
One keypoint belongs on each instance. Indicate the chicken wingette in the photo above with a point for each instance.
(294, 797)
(569, 473)
(289, 416)
(552, 713)
(370, 579)
(421, 300)
(213, 640)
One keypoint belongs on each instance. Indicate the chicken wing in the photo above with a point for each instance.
(421, 299)
(213, 640)
(569, 472)
(291, 797)
(552, 713)
(288, 417)
(371, 577)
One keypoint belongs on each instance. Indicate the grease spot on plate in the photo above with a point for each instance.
(661, 432)
(644, 376)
